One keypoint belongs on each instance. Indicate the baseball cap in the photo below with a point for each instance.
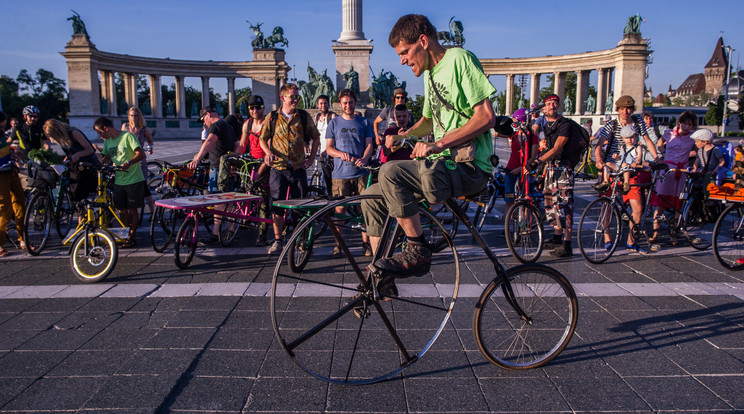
(628, 131)
(625, 101)
(204, 111)
(702, 135)
(255, 100)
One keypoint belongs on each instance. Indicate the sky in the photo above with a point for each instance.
(683, 33)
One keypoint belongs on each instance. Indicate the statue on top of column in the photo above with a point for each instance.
(78, 27)
(634, 25)
(454, 37)
(258, 36)
(276, 38)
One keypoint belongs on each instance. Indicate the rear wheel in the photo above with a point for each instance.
(94, 255)
(163, 226)
(186, 240)
(38, 222)
(599, 231)
(696, 224)
(229, 227)
(65, 215)
(524, 232)
(728, 238)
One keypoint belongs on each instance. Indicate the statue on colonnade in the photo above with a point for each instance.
(634, 25)
(78, 27)
(591, 104)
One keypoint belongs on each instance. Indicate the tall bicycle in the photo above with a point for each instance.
(343, 323)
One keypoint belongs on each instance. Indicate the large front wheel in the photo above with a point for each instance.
(37, 222)
(526, 319)
(728, 238)
(94, 255)
(524, 232)
(599, 231)
(186, 240)
(339, 323)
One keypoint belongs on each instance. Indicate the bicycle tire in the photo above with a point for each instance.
(523, 230)
(186, 240)
(599, 219)
(65, 213)
(163, 226)
(228, 229)
(37, 222)
(728, 237)
(154, 169)
(513, 341)
(298, 253)
(317, 310)
(97, 263)
(432, 233)
(696, 227)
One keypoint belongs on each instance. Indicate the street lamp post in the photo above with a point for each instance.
(725, 101)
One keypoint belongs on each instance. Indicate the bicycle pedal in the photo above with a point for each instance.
(362, 312)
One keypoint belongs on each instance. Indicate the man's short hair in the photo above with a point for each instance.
(347, 92)
(648, 114)
(102, 122)
(408, 29)
(401, 107)
(323, 97)
(288, 87)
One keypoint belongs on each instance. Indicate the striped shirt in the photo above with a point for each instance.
(611, 133)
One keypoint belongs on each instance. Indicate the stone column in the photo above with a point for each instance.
(509, 107)
(231, 95)
(352, 49)
(133, 100)
(582, 91)
(180, 97)
(106, 79)
(559, 84)
(630, 70)
(156, 96)
(351, 26)
(534, 88)
(205, 91)
(601, 90)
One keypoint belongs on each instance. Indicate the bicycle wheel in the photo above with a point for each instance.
(332, 324)
(432, 232)
(163, 226)
(154, 169)
(186, 240)
(728, 238)
(526, 319)
(64, 221)
(37, 222)
(94, 255)
(298, 253)
(524, 232)
(695, 223)
(600, 228)
(229, 227)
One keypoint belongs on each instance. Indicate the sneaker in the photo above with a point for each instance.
(601, 187)
(608, 246)
(336, 251)
(561, 251)
(414, 260)
(212, 239)
(261, 241)
(367, 249)
(275, 247)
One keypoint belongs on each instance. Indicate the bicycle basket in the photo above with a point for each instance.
(42, 176)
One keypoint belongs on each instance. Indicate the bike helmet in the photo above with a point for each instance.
(30, 110)
(520, 115)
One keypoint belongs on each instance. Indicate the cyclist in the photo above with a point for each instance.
(458, 111)
(30, 134)
(631, 155)
(12, 200)
(522, 146)
(77, 148)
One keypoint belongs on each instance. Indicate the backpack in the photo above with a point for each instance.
(303, 120)
(578, 141)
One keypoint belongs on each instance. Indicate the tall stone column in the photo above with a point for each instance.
(630, 70)
(534, 88)
(133, 100)
(205, 91)
(352, 49)
(559, 84)
(231, 95)
(582, 91)
(180, 97)
(106, 90)
(509, 107)
(156, 96)
(601, 90)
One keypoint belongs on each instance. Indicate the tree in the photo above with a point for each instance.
(242, 95)
(416, 106)
(44, 90)
(714, 116)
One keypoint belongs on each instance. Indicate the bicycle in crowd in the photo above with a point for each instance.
(728, 232)
(523, 319)
(46, 205)
(601, 226)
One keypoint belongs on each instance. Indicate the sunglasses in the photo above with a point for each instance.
(293, 97)
(401, 97)
(255, 107)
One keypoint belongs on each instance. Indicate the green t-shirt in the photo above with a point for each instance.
(460, 80)
(121, 149)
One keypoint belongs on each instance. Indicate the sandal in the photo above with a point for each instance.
(128, 243)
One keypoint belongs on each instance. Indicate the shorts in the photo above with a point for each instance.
(349, 186)
(282, 182)
(637, 187)
(129, 196)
